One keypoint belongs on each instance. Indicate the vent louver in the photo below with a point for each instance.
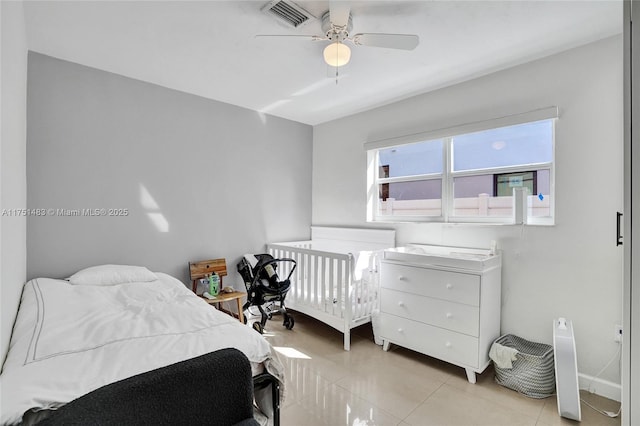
(288, 12)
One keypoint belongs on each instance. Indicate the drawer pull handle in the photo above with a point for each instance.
(449, 315)
(400, 330)
(449, 286)
(448, 344)
(402, 278)
(401, 303)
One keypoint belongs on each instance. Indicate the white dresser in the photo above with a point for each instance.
(441, 301)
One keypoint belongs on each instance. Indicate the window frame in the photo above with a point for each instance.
(448, 175)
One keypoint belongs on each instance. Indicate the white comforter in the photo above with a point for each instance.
(69, 340)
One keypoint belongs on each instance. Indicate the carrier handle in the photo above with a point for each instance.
(287, 259)
(262, 265)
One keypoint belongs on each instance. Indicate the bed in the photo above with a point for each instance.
(336, 279)
(108, 323)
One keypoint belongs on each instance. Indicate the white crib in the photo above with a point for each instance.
(336, 279)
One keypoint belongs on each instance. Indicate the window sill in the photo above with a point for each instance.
(456, 222)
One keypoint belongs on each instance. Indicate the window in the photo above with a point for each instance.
(410, 179)
(464, 177)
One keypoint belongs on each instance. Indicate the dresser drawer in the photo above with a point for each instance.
(441, 313)
(453, 286)
(433, 341)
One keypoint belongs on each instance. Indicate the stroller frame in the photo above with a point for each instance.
(264, 286)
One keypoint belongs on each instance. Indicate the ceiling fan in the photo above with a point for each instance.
(337, 25)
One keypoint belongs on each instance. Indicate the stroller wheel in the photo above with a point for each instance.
(258, 327)
(244, 318)
(270, 316)
(288, 322)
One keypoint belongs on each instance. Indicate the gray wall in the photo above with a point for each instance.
(13, 179)
(572, 269)
(225, 180)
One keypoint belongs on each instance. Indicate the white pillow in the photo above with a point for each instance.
(112, 275)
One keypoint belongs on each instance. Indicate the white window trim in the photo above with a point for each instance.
(448, 175)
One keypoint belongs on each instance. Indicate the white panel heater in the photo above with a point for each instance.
(566, 367)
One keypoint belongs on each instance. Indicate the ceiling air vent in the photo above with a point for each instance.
(288, 12)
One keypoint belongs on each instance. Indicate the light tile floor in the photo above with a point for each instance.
(366, 386)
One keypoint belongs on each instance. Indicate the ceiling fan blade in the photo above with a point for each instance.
(392, 41)
(339, 13)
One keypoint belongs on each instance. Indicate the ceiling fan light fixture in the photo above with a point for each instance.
(337, 54)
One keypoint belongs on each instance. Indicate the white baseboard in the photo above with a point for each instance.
(600, 387)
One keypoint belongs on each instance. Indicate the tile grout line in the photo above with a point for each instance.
(423, 401)
(505, 405)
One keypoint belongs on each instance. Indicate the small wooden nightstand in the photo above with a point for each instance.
(227, 297)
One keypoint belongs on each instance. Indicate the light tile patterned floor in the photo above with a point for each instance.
(367, 386)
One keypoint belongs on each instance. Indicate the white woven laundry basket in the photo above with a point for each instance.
(533, 370)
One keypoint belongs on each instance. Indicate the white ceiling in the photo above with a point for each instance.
(208, 48)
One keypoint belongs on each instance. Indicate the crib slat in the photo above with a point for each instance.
(286, 265)
(314, 281)
(319, 286)
(340, 284)
(333, 290)
(331, 286)
(373, 283)
(356, 297)
(322, 261)
(299, 277)
(310, 273)
(301, 281)
(348, 289)
(367, 302)
(308, 276)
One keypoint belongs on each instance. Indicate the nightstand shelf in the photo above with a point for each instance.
(228, 297)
